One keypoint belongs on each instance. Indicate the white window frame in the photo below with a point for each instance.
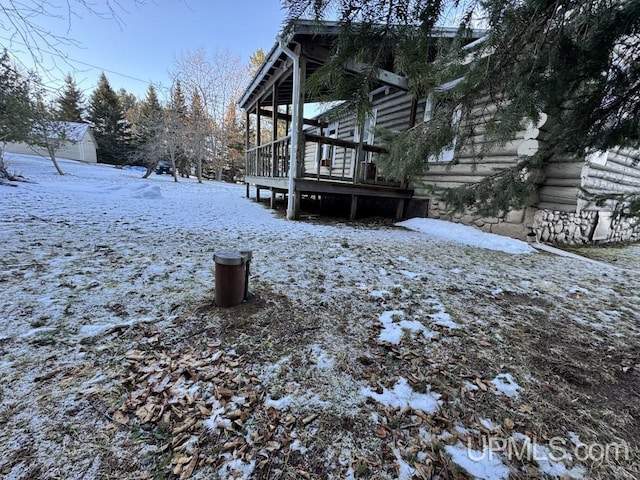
(447, 154)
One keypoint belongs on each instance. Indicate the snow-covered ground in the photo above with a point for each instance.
(366, 351)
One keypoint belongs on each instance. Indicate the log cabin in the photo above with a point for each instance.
(295, 156)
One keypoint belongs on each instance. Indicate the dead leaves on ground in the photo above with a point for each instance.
(204, 408)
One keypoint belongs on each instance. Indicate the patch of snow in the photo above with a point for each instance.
(37, 331)
(550, 462)
(296, 446)
(410, 274)
(236, 469)
(488, 424)
(380, 293)
(575, 439)
(394, 329)
(485, 465)
(403, 396)
(455, 232)
(440, 317)
(322, 359)
(581, 290)
(506, 385)
(216, 420)
(280, 403)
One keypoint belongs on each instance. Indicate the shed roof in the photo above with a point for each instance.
(73, 131)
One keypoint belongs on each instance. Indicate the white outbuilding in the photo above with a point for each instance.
(79, 144)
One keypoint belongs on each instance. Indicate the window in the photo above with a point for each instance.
(447, 154)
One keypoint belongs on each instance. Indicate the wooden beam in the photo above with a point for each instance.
(384, 76)
(337, 142)
(288, 118)
(343, 188)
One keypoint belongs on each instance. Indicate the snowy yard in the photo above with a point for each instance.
(366, 351)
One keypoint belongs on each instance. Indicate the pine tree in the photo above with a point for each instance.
(176, 139)
(255, 61)
(198, 132)
(150, 132)
(110, 128)
(70, 102)
(16, 107)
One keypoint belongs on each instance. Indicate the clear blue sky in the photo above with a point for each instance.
(148, 39)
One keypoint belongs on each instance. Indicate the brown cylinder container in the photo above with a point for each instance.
(230, 277)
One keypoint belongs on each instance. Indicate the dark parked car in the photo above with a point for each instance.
(163, 167)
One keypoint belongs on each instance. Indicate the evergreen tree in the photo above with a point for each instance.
(176, 121)
(110, 127)
(130, 105)
(255, 61)
(575, 61)
(70, 102)
(16, 107)
(178, 102)
(150, 109)
(198, 132)
(150, 132)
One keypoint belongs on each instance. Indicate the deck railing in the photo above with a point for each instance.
(270, 159)
(341, 160)
(345, 161)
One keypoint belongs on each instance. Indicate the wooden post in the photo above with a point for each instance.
(296, 205)
(257, 193)
(274, 134)
(318, 156)
(273, 199)
(247, 190)
(400, 210)
(354, 207)
(247, 145)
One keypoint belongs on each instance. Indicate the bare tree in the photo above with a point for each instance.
(23, 22)
(218, 80)
(48, 133)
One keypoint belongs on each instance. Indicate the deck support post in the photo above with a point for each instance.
(354, 207)
(247, 190)
(297, 109)
(400, 210)
(257, 194)
(272, 204)
(296, 204)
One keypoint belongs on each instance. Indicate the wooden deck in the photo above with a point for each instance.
(304, 186)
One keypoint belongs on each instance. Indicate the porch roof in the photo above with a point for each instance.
(314, 40)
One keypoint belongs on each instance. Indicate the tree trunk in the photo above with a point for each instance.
(3, 169)
(52, 155)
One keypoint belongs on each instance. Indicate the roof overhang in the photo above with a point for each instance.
(315, 40)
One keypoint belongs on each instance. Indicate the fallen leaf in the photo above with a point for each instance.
(525, 408)
(309, 419)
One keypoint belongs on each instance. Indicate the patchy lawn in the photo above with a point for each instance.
(365, 351)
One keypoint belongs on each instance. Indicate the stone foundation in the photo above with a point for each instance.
(584, 228)
(515, 224)
(587, 227)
